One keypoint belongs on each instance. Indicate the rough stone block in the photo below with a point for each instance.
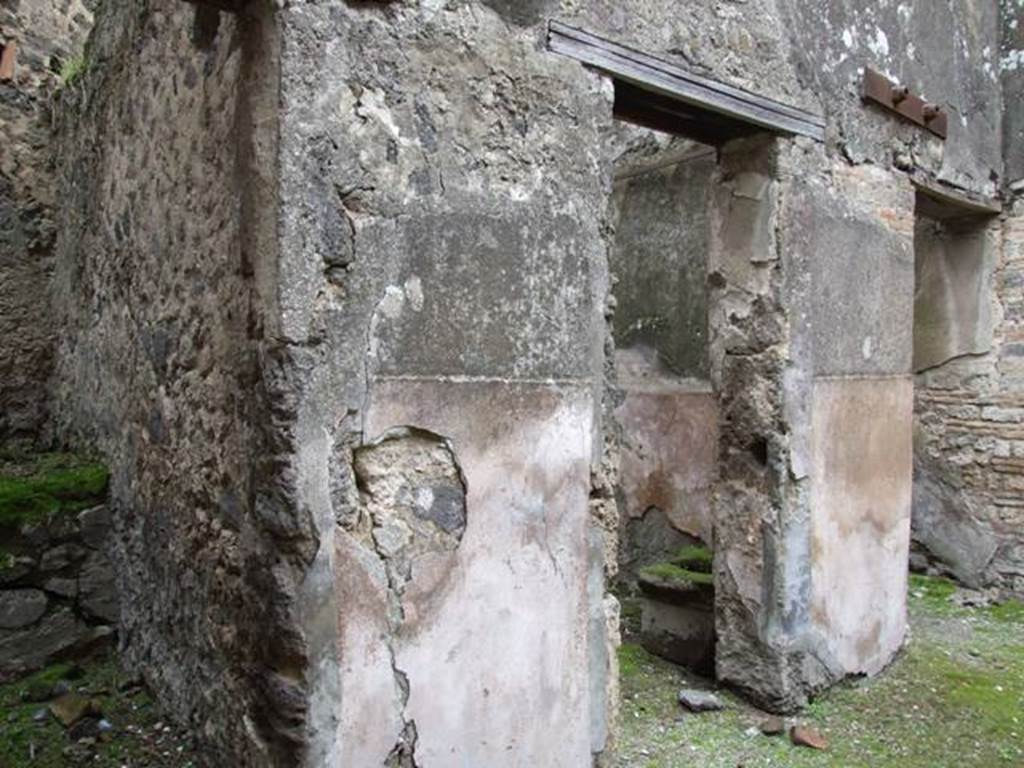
(21, 607)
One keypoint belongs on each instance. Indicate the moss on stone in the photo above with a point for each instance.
(671, 574)
(694, 558)
(33, 488)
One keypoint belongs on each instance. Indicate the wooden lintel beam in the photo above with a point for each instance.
(231, 6)
(671, 81)
(947, 202)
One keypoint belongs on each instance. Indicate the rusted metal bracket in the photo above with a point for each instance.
(666, 93)
(897, 98)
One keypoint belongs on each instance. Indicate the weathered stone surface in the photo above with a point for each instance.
(684, 634)
(953, 265)
(659, 259)
(97, 588)
(408, 230)
(32, 648)
(177, 220)
(21, 607)
(947, 526)
(95, 526)
(968, 448)
(61, 556)
(47, 34)
(460, 615)
(699, 701)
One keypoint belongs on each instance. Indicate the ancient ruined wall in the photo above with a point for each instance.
(40, 40)
(372, 357)
(968, 451)
(449, 293)
(167, 362)
(967, 517)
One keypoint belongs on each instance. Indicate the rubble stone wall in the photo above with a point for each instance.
(168, 362)
(310, 235)
(41, 39)
(58, 593)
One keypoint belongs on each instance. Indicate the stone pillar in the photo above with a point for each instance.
(812, 289)
(444, 276)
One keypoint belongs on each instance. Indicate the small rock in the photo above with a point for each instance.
(105, 726)
(61, 557)
(773, 726)
(70, 708)
(802, 736)
(41, 715)
(699, 701)
(95, 526)
(59, 689)
(61, 587)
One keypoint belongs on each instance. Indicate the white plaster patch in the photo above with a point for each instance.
(880, 45)
(393, 301)
(414, 293)
(866, 347)
(372, 105)
(1012, 61)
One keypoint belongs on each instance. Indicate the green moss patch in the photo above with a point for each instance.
(671, 574)
(36, 487)
(694, 558)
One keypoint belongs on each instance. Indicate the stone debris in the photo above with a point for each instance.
(773, 726)
(699, 701)
(72, 707)
(804, 736)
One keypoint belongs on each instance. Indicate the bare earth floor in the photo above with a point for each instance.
(954, 697)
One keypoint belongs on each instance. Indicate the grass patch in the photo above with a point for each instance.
(34, 488)
(72, 69)
(134, 741)
(954, 698)
(632, 657)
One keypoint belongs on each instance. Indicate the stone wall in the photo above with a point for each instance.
(363, 234)
(168, 364)
(41, 39)
(58, 596)
(969, 444)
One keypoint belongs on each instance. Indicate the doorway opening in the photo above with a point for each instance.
(666, 412)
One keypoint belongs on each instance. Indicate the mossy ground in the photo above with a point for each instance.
(138, 740)
(954, 698)
(35, 486)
